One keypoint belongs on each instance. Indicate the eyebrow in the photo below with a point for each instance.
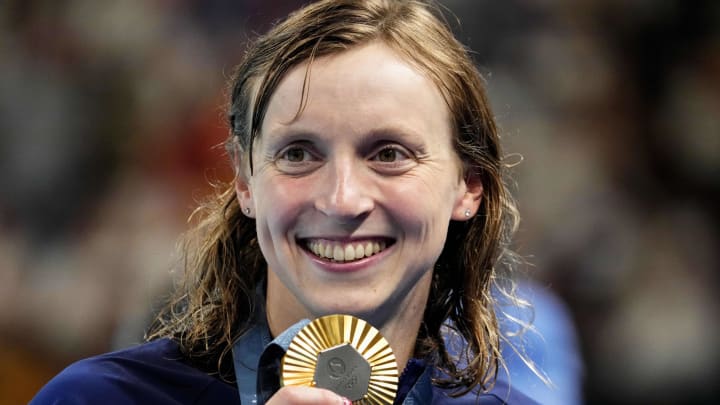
(374, 135)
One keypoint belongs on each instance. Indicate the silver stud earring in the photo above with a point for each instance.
(467, 213)
(247, 211)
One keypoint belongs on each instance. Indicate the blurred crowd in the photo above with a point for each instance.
(111, 130)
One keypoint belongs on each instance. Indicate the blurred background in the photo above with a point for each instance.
(111, 113)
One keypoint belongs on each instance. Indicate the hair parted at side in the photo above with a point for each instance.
(223, 264)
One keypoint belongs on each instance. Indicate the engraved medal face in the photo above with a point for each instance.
(343, 370)
(345, 355)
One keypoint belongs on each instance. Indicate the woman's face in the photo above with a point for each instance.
(353, 198)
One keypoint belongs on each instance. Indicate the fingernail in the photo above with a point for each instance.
(346, 401)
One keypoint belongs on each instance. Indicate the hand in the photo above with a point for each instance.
(299, 395)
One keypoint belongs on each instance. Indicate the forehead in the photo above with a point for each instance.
(370, 81)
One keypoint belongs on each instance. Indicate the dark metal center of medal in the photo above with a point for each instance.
(343, 370)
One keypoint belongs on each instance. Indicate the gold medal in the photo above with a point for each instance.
(344, 354)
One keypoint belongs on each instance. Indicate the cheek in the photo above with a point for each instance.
(430, 191)
(279, 204)
(422, 207)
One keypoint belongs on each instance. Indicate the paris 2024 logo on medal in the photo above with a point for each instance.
(346, 355)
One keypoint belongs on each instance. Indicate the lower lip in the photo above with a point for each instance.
(350, 267)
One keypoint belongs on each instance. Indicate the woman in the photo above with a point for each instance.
(369, 181)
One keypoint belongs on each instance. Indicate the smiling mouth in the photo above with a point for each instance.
(345, 252)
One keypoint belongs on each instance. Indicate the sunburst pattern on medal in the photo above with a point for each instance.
(298, 364)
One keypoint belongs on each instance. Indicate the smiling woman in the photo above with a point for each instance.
(343, 196)
(369, 182)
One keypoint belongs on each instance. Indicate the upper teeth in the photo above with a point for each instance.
(342, 252)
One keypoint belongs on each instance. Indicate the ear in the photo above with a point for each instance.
(243, 191)
(468, 198)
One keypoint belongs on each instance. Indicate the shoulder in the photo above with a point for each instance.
(550, 345)
(500, 394)
(149, 373)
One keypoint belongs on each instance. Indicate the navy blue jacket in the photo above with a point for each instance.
(155, 373)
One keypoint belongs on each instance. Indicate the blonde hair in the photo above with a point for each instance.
(223, 263)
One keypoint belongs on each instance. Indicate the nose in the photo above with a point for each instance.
(346, 192)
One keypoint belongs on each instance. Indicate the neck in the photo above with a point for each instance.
(402, 331)
(399, 323)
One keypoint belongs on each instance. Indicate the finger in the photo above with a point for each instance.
(298, 395)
